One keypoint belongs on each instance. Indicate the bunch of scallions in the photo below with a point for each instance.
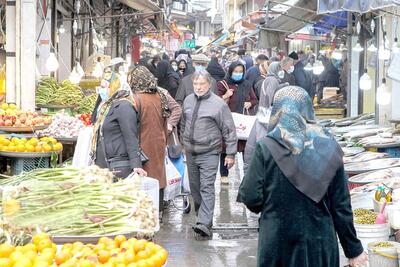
(72, 202)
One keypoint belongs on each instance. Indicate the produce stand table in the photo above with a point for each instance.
(95, 239)
(55, 108)
(68, 147)
(24, 162)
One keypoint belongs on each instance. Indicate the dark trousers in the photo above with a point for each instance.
(223, 170)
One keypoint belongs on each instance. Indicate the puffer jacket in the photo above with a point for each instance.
(206, 122)
(259, 131)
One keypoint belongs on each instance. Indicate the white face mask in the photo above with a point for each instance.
(175, 68)
(281, 74)
(291, 69)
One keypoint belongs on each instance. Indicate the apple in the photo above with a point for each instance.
(13, 119)
(8, 123)
(22, 118)
(1, 122)
(28, 122)
(17, 123)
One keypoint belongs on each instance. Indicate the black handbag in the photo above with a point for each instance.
(175, 149)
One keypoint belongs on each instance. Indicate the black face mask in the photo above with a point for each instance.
(182, 68)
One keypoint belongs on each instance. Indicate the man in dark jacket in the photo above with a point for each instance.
(302, 77)
(200, 62)
(253, 74)
(206, 123)
(287, 65)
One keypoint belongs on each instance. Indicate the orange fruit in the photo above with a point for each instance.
(31, 255)
(140, 245)
(47, 148)
(33, 141)
(158, 259)
(129, 257)
(6, 250)
(142, 255)
(5, 142)
(29, 247)
(103, 256)
(38, 149)
(39, 237)
(141, 263)
(29, 148)
(86, 263)
(11, 147)
(119, 240)
(62, 257)
(105, 240)
(43, 244)
(20, 148)
(5, 262)
(133, 264)
(15, 256)
(23, 262)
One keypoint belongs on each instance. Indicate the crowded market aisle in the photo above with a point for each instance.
(229, 248)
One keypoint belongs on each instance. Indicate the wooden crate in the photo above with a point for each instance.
(330, 113)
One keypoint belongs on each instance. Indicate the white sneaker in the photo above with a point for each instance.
(224, 180)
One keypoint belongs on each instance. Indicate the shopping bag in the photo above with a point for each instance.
(173, 180)
(243, 124)
(82, 157)
(180, 165)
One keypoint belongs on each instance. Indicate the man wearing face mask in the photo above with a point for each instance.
(200, 62)
(302, 77)
(287, 66)
(206, 122)
(115, 143)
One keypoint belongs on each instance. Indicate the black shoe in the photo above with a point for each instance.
(202, 230)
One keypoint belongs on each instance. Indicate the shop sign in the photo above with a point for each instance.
(189, 44)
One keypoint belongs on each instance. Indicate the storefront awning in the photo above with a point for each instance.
(142, 5)
(359, 6)
(294, 18)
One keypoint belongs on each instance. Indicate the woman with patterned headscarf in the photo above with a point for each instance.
(115, 144)
(158, 115)
(297, 181)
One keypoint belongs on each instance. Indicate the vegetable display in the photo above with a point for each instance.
(87, 105)
(86, 119)
(11, 116)
(49, 92)
(45, 144)
(63, 125)
(120, 251)
(72, 202)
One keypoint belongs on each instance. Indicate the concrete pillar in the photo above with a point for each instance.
(355, 61)
(27, 54)
(65, 52)
(10, 51)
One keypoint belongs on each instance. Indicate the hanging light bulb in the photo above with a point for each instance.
(358, 27)
(365, 81)
(358, 48)
(308, 67)
(61, 29)
(383, 53)
(383, 95)
(372, 48)
(318, 68)
(395, 47)
(75, 27)
(372, 25)
(97, 70)
(74, 77)
(52, 62)
(336, 54)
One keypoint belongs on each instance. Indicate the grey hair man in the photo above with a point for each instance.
(287, 65)
(200, 62)
(206, 123)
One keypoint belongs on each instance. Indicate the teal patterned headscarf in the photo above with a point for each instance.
(307, 153)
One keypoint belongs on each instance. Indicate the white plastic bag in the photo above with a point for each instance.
(81, 157)
(243, 124)
(173, 180)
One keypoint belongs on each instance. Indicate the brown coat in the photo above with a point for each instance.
(153, 134)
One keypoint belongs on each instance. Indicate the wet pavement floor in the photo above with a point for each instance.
(234, 241)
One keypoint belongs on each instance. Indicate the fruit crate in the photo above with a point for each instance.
(19, 165)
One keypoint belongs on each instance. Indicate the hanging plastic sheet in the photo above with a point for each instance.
(360, 6)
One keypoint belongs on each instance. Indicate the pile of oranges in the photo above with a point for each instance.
(119, 252)
(44, 144)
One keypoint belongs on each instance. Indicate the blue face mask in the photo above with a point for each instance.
(199, 68)
(103, 93)
(237, 76)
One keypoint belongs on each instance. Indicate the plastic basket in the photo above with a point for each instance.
(19, 165)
